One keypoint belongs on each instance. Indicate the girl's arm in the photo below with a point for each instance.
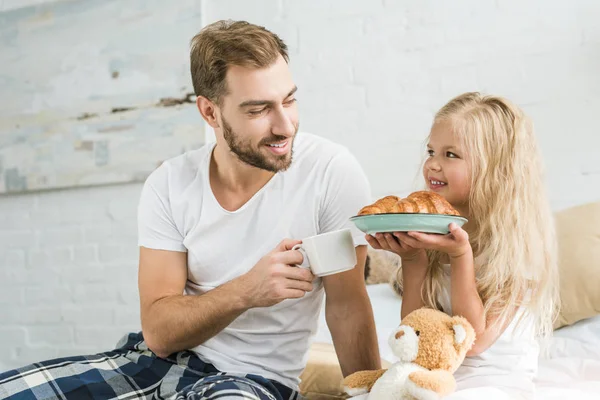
(491, 333)
(466, 301)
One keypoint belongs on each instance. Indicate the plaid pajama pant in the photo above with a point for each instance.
(131, 372)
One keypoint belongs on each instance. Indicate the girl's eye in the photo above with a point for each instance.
(430, 152)
(450, 154)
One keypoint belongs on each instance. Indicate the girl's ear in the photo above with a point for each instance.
(464, 334)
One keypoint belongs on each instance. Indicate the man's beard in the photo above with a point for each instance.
(253, 156)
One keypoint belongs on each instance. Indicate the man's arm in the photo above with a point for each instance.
(173, 322)
(413, 267)
(349, 316)
(413, 277)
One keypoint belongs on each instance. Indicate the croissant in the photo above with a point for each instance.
(423, 202)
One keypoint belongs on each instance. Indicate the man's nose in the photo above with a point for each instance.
(283, 124)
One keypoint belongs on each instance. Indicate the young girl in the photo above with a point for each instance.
(499, 270)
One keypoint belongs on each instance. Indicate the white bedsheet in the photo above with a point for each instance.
(570, 369)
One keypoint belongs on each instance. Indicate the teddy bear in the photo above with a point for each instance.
(430, 346)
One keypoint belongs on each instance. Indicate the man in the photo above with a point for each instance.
(225, 311)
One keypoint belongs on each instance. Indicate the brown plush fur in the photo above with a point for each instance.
(367, 379)
(437, 348)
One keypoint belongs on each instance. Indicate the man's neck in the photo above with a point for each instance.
(234, 182)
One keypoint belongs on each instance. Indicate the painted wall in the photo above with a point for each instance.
(94, 92)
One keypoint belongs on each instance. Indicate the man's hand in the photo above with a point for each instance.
(172, 321)
(276, 278)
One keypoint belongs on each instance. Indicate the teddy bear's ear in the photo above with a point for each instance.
(464, 334)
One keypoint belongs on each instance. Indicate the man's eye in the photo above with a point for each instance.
(290, 102)
(256, 112)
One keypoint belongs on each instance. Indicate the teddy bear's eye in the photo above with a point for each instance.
(417, 333)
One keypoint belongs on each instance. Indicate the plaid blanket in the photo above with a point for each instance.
(132, 371)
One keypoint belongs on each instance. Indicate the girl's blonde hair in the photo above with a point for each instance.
(511, 223)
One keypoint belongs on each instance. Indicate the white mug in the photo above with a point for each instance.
(328, 253)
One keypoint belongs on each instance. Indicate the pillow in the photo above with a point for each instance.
(322, 377)
(578, 233)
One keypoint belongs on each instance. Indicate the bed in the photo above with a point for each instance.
(570, 370)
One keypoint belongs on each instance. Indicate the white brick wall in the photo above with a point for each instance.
(371, 74)
(68, 272)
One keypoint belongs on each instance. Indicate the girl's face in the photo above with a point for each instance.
(446, 170)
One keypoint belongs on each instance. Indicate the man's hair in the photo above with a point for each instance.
(224, 43)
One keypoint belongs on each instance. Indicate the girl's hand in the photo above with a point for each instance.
(455, 244)
(391, 242)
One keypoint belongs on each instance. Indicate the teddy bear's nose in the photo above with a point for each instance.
(399, 334)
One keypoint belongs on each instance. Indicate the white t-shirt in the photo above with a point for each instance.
(510, 363)
(322, 188)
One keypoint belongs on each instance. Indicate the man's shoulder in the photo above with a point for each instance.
(180, 170)
(314, 150)
(190, 160)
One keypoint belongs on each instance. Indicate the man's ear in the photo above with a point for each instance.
(464, 334)
(208, 110)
